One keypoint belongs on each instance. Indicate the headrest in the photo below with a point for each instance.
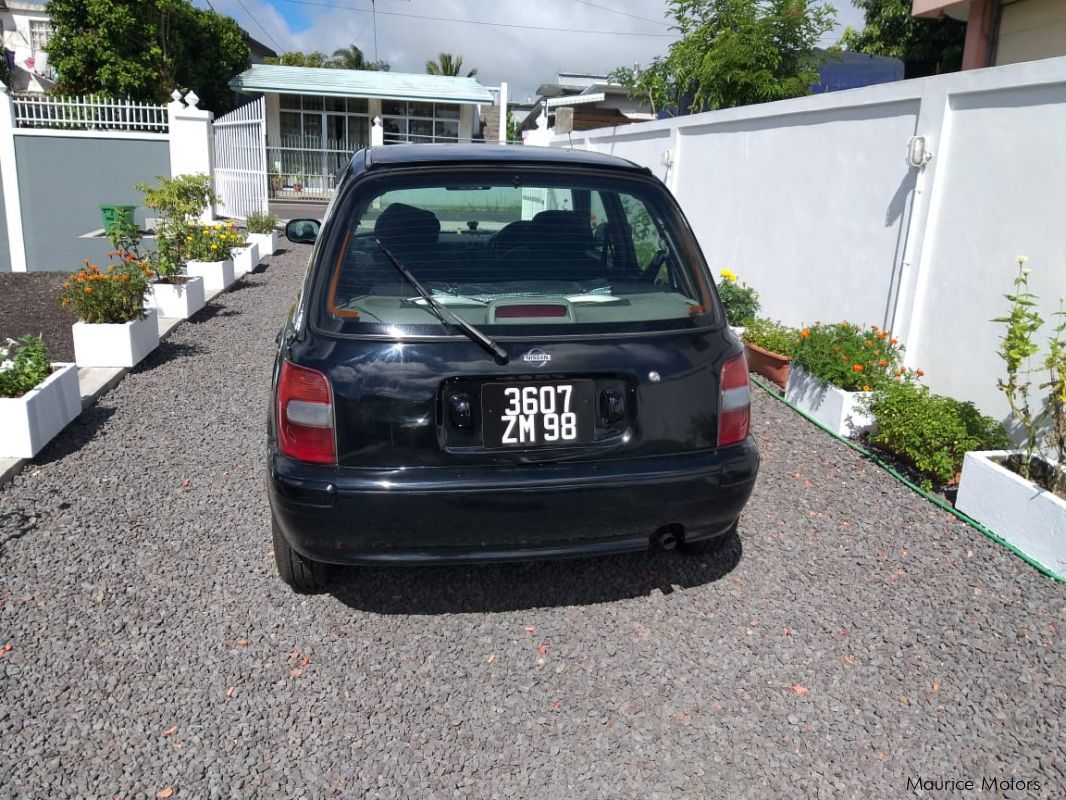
(407, 224)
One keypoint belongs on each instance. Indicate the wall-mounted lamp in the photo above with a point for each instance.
(918, 151)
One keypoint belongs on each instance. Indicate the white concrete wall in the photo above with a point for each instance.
(812, 202)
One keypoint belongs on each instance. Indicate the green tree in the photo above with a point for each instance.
(299, 59)
(926, 46)
(447, 64)
(144, 49)
(733, 53)
(350, 57)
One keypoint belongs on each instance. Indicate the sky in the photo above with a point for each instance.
(600, 34)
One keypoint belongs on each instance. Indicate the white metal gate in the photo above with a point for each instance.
(240, 161)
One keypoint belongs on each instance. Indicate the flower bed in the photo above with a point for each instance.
(37, 398)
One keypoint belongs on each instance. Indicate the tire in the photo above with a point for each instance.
(303, 575)
(706, 547)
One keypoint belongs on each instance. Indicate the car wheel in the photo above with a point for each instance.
(706, 547)
(302, 574)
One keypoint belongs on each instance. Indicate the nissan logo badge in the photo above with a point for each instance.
(536, 357)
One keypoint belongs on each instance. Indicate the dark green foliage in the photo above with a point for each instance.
(733, 53)
(929, 431)
(926, 46)
(144, 49)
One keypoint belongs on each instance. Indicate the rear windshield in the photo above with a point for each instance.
(512, 255)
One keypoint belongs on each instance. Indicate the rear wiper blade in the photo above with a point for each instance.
(440, 310)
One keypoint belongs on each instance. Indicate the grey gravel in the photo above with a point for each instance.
(854, 635)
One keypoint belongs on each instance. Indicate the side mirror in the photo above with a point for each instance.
(302, 231)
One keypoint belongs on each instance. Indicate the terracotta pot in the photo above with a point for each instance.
(768, 364)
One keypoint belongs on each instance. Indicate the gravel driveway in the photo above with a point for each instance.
(853, 637)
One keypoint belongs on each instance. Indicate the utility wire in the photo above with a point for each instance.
(479, 22)
(623, 13)
(258, 25)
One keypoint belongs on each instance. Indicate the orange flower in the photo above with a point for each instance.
(919, 373)
(857, 368)
(866, 387)
(880, 336)
(893, 341)
(883, 362)
(805, 333)
(88, 290)
(897, 373)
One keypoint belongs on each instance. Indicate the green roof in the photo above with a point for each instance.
(360, 83)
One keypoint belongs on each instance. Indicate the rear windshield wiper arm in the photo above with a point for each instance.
(440, 310)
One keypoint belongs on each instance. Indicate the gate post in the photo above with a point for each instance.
(190, 139)
(10, 188)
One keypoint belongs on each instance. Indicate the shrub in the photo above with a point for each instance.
(849, 357)
(179, 201)
(213, 242)
(24, 363)
(772, 336)
(258, 222)
(929, 431)
(114, 296)
(741, 302)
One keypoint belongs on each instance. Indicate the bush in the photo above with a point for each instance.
(179, 201)
(213, 242)
(24, 364)
(257, 222)
(772, 336)
(114, 296)
(741, 302)
(929, 431)
(849, 357)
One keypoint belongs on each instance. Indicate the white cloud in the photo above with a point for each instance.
(523, 58)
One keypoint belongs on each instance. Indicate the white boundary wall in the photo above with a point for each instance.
(813, 203)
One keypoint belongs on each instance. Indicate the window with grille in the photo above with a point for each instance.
(40, 33)
(419, 122)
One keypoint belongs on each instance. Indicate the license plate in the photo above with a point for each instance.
(537, 414)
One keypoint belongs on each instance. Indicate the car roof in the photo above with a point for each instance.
(488, 153)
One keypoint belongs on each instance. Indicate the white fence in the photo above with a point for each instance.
(813, 202)
(88, 113)
(240, 161)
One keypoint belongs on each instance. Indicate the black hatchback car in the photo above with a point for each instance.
(502, 353)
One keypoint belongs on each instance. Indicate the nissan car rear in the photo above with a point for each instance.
(503, 353)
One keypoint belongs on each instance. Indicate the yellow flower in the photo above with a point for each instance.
(729, 275)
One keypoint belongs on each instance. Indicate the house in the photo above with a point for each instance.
(26, 31)
(596, 101)
(316, 118)
(1003, 31)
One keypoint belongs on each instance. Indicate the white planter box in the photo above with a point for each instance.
(218, 275)
(842, 412)
(1016, 510)
(115, 345)
(245, 259)
(268, 243)
(29, 422)
(177, 300)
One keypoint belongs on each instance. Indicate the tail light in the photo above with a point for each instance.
(305, 415)
(734, 402)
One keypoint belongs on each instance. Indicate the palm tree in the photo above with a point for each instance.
(351, 57)
(447, 64)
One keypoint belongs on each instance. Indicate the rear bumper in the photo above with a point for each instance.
(431, 515)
